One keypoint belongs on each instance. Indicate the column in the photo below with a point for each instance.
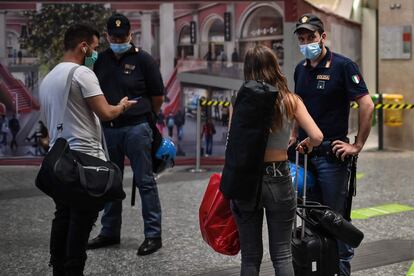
(197, 44)
(292, 55)
(229, 45)
(146, 36)
(167, 45)
(369, 49)
(3, 53)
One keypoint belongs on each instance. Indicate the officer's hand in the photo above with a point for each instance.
(304, 146)
(127, 103)
(342, 149)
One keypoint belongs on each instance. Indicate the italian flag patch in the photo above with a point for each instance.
(356, 79)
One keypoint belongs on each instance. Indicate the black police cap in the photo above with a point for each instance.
(118, 25)
(310, 22)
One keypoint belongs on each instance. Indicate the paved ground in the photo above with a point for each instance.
(25, 216)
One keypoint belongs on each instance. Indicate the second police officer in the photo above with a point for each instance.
(124, 70)
(327, 82)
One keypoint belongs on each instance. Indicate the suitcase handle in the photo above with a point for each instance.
(305, 175)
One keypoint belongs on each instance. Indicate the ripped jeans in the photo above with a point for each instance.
(278, 200)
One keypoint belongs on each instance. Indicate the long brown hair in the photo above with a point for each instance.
(261, 63)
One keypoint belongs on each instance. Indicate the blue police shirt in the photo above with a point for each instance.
(134, 74)
(327, 91)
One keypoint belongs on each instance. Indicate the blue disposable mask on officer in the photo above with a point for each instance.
(90, 61)
(311, 51)
(120, 48)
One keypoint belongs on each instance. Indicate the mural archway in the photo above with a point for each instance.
(212, 36)
(184, 46)
(262, 24)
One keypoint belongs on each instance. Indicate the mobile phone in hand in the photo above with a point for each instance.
(135, 99)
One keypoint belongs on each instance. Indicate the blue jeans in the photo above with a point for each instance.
(209, 144)
(278, 199)
(135, 143)
(331, 189)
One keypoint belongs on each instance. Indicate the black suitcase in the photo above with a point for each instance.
(314, 253)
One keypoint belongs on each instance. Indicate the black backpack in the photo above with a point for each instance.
(246, 142)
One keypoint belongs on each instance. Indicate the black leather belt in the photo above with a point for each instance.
(325, 148)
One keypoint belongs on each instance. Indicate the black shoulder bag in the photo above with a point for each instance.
(77, 179)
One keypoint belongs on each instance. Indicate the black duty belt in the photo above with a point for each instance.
(325, 148)
(123, 122)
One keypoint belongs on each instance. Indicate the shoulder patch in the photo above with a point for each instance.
(356, 79)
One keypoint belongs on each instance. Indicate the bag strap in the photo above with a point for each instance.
(105, 147)
(59, 126)
(65, 104)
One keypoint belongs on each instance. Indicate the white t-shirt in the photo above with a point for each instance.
(81, 126)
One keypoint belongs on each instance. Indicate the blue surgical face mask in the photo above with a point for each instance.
(120, 48)
(311, 51)
(89, 61)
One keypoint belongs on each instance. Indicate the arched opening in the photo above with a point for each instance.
(12, 43)
(216, 38)
(184, 47)
(264, 25)
(212, 37)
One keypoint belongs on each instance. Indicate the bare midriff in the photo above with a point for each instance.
(275, 155)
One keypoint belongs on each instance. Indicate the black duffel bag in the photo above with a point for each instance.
(323, 219)
(80, 180)
(246, 142)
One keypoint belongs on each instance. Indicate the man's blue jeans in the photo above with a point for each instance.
(332, 189)
(209, 144)
(135, 143)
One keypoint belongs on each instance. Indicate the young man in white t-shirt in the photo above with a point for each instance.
(81, 128)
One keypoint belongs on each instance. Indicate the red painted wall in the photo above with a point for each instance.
(17, 6)
(239, 9)
(219, 9)
(180, 22)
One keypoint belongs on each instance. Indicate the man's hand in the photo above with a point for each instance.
(342, 149)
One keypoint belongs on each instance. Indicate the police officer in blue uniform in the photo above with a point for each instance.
(327, 82)
(124, 70)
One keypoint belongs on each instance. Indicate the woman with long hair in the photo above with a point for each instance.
(277, 197)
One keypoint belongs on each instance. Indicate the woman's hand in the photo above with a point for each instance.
(304, 146)
(292, 141)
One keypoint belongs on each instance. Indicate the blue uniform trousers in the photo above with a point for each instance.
(135, 143)
(331, 189)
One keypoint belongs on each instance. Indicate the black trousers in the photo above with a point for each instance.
(68, 239)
